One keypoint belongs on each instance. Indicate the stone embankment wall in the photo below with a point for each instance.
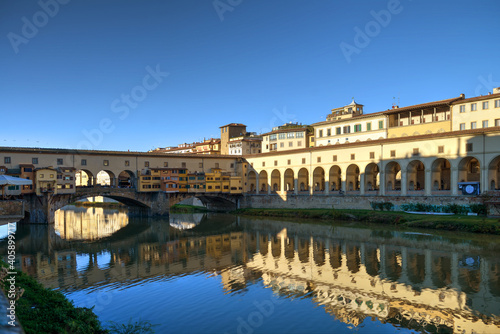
(345, 202)
(11, 209)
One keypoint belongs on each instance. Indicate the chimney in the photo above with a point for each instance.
(496, 90)
(462, 96)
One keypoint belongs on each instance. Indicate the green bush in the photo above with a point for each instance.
(381, 206)
(480, 209)
(42, 310)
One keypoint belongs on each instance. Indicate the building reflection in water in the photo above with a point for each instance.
(424, 283)
(89, 223)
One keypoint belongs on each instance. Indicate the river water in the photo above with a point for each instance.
(216, 273)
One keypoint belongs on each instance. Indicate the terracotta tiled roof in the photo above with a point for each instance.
(478, 98)
(424, 105)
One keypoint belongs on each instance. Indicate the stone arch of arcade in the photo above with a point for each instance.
(416, 176)
(105, 177)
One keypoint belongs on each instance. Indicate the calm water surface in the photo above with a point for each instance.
(213, 273)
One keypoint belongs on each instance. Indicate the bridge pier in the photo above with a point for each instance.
(40, 209)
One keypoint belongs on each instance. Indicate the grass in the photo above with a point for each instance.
(181, 208)
(474, 224)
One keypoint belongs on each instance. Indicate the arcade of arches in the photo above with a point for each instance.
(404, 177)
(85, 178)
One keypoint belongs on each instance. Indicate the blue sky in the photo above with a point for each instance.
(135, 75)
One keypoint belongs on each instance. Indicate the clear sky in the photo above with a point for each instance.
(136, 75)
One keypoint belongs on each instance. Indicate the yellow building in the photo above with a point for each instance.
(477, 112)
(348, 124)
(196, 182)
(183, 181)
(66, 180)
(218, 181)
(46, 180)
(435, 148)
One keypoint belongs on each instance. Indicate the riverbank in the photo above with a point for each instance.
(181, 208)
(42, 310)
(474, 224)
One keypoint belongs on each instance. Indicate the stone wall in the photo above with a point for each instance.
(345, 202)
(11, 208)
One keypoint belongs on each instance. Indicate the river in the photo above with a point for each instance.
(220, 273)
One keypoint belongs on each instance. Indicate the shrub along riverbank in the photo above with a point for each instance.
(42, 310)
(475, 224)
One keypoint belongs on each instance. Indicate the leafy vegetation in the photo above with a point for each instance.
(181, 208)
(449, 208)
(43, 310)
(381, 206)
(473, 224)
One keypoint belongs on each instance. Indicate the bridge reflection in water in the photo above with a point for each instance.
(411, 280)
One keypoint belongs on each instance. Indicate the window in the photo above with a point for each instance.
(282, 144)
(497, 122)
(329, 132)
(380, 124)
(468, 147)
(84, 162)
(41, 176)
(485, 105)
(289, 162)
(299, 135)
(290, 144)
(272, 137)
(282, 136)
(473, 107)
(6, 160)
(440, 149)
(357, 128)
(372, 155)
(146, 163)
(338, 130)
(353, 156)
(334, 158)
(462, 126)
(462, 108)
(303, 160)
(165, 164)
(276, 162)
(320, 133)
(393, 153)
(263, 164)
(497, 103)
(415, 151)
(51, 176)
(34, 161)
(290, 135)
(299, 143)
(127, 163)
(368, 126)
(183, 165)
(318, 159)
(485, 124)
(473, 125)
(60, 161)
(347, 129)
(230, 166)
(105, 162)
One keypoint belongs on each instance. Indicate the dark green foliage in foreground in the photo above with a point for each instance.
(457, 209)
(473, 224)
(381, 206)
(43, 310)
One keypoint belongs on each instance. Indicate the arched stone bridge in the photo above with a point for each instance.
(41, 209)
